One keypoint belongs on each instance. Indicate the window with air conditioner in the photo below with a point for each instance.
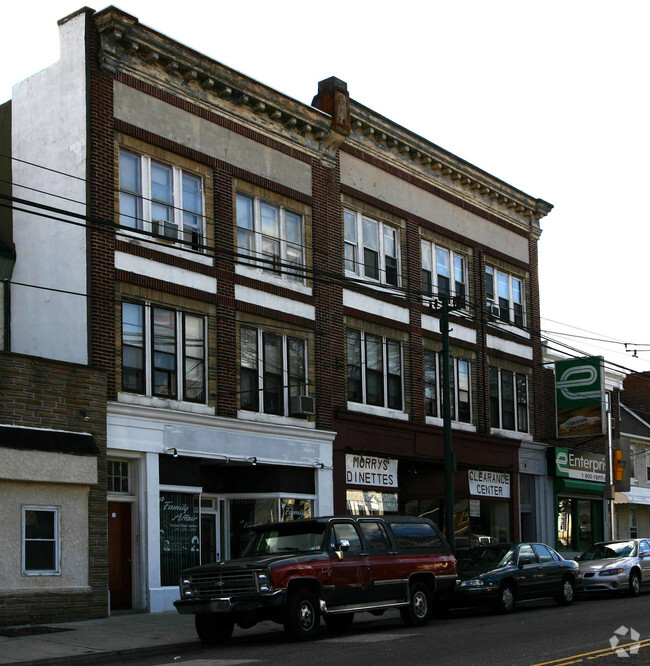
(161, 199)
(505, 296)
(273, 373)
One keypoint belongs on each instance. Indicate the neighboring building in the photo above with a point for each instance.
(53, 508)
(261, 282)
(632, 500)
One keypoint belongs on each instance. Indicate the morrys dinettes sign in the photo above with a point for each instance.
(489, 484)
(370, 471)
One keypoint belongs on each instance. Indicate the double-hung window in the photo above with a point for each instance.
(459, 386)
(374, 370)
(505, 296)
(41, 545)
(162, 199)
(163, 352)
(508, 400)
(272, 372)
(444, 273)
(272, 235)
(372, 249)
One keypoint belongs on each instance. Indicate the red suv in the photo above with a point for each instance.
(294, 572)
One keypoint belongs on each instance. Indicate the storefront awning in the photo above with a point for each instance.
(635, 496)
(577, 486)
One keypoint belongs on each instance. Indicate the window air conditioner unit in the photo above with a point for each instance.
(165, 228)
(495, 310)
(303, 404)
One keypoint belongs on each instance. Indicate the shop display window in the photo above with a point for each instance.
(370, 502)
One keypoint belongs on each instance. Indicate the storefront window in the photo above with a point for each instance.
(479, 522)
(179, 534)
(370, 502)
(577, 523)
(244, 513)
(295, 509)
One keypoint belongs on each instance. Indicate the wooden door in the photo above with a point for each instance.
(120, 573)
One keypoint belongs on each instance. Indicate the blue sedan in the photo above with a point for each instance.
(502, 574)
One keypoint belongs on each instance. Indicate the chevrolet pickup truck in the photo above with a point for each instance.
(296, 572)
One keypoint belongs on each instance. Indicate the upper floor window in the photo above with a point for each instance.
(372, 249)
(161, 199)
(40, 540)
(272, 372)
(374, 370)
(163, 352)
(505, 296)
(444, 272)
(508, 400)
(273, 235)
(459, 386)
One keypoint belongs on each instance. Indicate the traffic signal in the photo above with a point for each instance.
(617, 467)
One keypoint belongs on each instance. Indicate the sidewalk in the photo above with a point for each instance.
(119, 635)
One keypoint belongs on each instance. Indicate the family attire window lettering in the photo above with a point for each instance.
(443, 273)
(459, 381)
(161, 199)
(272, 235)
(505, 296)
(173, 362)
(374, 370)
(508, 400)
(372, 249)
(272, 371)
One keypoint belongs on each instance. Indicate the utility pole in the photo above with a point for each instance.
(444, 307)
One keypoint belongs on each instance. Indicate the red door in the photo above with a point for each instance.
(119, 554)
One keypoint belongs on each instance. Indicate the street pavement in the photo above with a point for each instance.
(121, 635)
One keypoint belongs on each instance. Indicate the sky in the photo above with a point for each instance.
(550, 97)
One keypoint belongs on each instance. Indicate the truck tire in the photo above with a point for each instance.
(418, 612)
(302, 616)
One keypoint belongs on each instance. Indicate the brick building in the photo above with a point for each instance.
(261, 282)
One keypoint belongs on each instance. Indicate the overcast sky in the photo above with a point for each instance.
(550, 97)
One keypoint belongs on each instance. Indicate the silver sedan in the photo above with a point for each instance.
(616, 566)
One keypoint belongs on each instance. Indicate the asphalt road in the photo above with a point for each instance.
(536, 633)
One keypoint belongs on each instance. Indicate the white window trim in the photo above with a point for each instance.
(179, 356)
(430, 247)
(498, 429)
(261, 415)
(438, 420)
(379, 410)
(494, 302)
(57, 541)
(256, 260)
(358, 272)
(177, 202)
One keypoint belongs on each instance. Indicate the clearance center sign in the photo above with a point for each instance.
(579, 393)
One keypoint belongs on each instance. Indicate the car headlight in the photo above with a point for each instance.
(186, 588)
(264, 582)
(612, 572)
(472, 582)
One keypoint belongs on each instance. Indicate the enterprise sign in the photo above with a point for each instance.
(370, 471)
(578, 464)
(489, 484)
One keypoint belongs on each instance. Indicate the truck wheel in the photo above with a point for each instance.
(213, 629)
(419, 609)
(302, 616)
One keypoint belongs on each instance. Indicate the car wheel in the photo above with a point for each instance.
(417, 613)
(213, 629)
(567, 595)
(506, 600)
(339, 622)
(302, 616)
(634, 587)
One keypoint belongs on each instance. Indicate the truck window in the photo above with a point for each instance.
(416, 535)
(346, 531)
(375, 535)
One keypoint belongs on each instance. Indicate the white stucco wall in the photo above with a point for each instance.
(72, 503)
(49, 130)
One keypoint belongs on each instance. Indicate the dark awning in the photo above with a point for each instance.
(56, 441)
